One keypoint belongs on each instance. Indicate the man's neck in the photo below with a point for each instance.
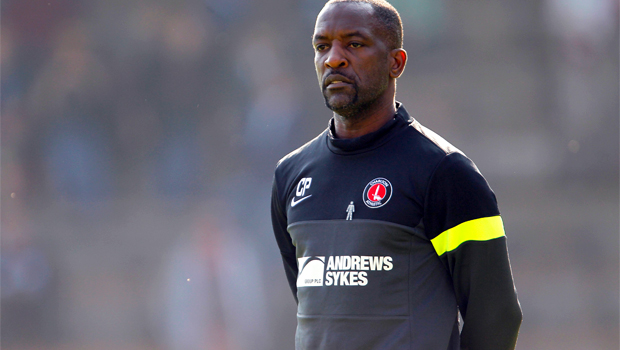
(365, 122)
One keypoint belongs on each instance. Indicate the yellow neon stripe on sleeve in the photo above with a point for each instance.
(482, 229)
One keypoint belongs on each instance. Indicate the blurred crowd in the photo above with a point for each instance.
(139, 140)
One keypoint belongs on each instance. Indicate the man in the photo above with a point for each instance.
(421, 240)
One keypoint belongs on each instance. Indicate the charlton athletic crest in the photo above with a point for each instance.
(377, 193)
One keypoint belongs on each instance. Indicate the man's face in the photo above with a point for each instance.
(350, 57)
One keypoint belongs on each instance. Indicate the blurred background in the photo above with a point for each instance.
(139, 140)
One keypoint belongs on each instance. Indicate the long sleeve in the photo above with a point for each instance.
(287, 249)
(465, 227)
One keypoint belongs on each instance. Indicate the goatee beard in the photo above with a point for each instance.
(348, 111)
(352, 109)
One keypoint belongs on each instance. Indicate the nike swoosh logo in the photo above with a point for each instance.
(295, 202)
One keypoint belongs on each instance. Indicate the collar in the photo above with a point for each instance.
(372, 140)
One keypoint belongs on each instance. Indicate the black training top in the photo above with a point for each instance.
(386, 237)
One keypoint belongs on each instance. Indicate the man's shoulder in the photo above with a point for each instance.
(302, 154)
(422, 140)
(433, 141)
(438, 151)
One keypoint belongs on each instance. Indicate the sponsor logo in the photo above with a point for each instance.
(342, 270)
(302, 186)
(311, 271)
(377, 193)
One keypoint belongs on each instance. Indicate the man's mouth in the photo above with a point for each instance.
(336, 81)
(337, 84)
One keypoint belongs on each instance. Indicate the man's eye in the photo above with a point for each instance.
(320, 47)
(355, 45)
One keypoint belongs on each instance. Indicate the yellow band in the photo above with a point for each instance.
(482, 229)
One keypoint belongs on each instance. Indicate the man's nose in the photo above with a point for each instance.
(336, 58)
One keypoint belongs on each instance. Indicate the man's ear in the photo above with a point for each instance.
(398, 62)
